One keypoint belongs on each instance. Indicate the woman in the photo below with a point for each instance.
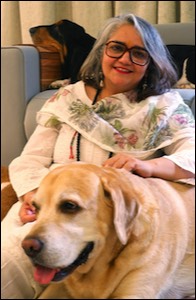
(121, 114)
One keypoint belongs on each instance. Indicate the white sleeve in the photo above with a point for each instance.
(27, 170)
(182, 152)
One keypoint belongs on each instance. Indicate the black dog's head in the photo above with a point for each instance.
(71, 41)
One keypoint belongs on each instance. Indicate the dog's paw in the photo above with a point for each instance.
(59, 83)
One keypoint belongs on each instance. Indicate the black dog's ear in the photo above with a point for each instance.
(78, 43)
(75, 35)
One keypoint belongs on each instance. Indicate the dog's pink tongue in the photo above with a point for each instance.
(44, 275)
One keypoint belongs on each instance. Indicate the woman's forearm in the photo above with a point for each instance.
(158, 167)
(166, 169)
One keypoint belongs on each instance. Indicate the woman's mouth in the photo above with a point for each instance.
(122, 70)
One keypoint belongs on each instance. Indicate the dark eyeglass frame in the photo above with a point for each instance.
(128, 50)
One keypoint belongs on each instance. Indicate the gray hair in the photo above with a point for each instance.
(161, 73)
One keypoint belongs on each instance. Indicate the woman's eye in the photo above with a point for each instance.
(117, 48)
(140, 54)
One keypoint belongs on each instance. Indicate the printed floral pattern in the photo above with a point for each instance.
(53, 121)
(158, 124)
(158, 129)
(183, 116)
(109, 109)
(83, 115)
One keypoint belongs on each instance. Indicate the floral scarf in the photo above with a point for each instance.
(116, 124)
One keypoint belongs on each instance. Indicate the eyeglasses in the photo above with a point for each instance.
(138, 56)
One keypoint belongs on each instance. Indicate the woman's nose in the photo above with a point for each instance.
(125, 57)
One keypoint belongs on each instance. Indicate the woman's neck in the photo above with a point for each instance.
(92, 93)
(102, 93)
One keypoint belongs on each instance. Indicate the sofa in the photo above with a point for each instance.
(22, 96)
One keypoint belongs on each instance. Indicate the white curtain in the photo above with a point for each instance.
(18, 16)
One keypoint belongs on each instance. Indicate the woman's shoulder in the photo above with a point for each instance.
(75, 88)
(78, 90)
(171, 97)
(170, 103)
(65, 96)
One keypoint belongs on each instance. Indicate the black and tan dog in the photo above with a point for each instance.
(71, 41)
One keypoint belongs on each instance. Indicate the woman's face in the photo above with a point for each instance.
(121, 74)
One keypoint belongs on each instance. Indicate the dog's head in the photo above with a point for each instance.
(83, 211)
(69, 39)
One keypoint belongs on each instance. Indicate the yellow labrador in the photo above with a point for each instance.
(104, 233)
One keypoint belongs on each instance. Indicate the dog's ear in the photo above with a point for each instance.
(74, 35)
(78, 44)
(126, 206)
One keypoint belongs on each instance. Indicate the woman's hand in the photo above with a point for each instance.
(130, 163)
(158, 167)
(27, 210)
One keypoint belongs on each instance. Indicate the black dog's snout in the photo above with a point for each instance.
(32, 30)
(32, 246)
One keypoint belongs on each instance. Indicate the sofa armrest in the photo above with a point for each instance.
(20, 81)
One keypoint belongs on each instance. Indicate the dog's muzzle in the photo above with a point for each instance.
(44, 274)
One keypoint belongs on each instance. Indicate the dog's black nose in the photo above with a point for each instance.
(32, 246)
(32, 30)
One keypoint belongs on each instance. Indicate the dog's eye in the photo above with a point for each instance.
(69, 207)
